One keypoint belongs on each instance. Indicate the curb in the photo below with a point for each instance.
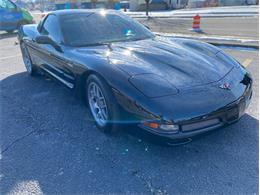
(217, 40)
(253, 47)
(202, 15)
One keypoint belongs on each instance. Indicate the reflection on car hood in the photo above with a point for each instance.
(182, 63)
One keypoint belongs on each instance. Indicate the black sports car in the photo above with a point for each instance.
(171, 87)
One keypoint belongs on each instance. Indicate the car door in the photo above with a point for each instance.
(52, 60)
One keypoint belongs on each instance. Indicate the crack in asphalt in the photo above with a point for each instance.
(153, 190)
(34, 120)
(147, 184)
(17, 140)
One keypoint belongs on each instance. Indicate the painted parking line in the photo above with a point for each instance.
(247, 62)
(7, 57)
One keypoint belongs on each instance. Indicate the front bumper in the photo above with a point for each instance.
(214, 120)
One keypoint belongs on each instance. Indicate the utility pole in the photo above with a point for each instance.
(147, 7)
(94, 2)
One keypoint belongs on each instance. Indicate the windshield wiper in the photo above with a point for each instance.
(108, 44)
(91, 44)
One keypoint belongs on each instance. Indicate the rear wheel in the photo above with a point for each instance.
(102, 104)
(31, 69)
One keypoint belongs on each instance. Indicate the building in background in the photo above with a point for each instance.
(212, 3)
(176, 4)
(85, 4)
(43, 5)
(139, 5)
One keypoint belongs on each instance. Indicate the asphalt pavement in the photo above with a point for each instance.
(237, 27)
(50, 145)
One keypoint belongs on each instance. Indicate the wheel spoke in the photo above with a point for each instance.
(101, 98)
(96, 90)
(92, 96)
(101, 114)
(100, 95)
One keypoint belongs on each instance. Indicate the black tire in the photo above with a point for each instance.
(112, 107)
(10, 31)
(27, 59)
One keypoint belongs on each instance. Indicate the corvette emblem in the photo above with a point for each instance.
(225, 86)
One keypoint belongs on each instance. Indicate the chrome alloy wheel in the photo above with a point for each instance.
(26, 59)
(97, 103)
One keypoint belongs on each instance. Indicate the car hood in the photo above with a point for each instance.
(182, 63)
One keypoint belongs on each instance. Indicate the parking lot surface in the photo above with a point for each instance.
(49, 144)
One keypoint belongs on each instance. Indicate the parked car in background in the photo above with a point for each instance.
(12, 16)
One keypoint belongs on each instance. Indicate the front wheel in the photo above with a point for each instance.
(27, 61)
(102, 104)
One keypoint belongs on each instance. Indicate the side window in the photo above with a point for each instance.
(6, 4)
(51, 28)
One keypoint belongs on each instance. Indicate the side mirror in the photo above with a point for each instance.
(43, 39)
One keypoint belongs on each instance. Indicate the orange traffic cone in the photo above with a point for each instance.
(196, 23)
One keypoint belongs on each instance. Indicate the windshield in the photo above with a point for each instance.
(96, 28)
(5, 4)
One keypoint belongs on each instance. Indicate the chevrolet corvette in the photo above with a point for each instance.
(170, 87)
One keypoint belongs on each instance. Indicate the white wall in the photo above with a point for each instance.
(199, 3)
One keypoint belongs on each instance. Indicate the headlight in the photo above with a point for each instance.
(167, 128)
